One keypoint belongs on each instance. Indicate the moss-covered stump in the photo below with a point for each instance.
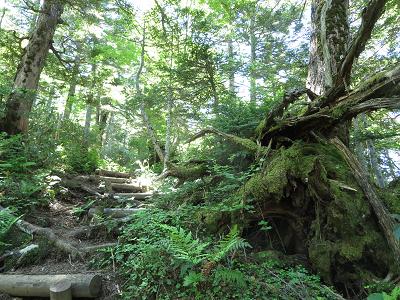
(310, 198)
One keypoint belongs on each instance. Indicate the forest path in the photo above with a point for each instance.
(87, 214)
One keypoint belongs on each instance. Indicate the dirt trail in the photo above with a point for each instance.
(68, 218)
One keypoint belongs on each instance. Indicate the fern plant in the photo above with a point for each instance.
(7, 220)
(184, 246)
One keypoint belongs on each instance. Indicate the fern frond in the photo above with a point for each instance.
(184, 246)
(234, 277)
(231, 242)
(7, 220)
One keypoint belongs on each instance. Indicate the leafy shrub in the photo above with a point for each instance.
(24, 185)
(160, 258)
(80, 159)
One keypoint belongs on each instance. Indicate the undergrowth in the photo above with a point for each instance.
(172, 252)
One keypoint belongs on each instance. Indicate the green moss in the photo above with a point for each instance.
(320, 253)
(343, 229)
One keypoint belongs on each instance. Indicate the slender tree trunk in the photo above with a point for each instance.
(72, 89)
(107, 142)
(358, 145)
(168, 134)
(231, 67)
(103, 124)
(253, 59)
(143, 113)
(50, 99)
(373, 157)
(89, 109)
(19, 102)
(211, 79)
(3, 13)
(88, 119)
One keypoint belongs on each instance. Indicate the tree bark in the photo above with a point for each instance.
(19, 102)
(231, 66)
(89, 109)
(253, 59)
(88, 118)
(72, 89)
(143, 113)
(3, 13)
(373, 158)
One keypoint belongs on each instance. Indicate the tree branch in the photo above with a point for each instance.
(248, 144)
(370, 16)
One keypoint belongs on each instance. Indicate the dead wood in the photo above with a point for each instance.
(96, 178)
(385, 219)
(48, 234)
(136, 196)
(113, 174)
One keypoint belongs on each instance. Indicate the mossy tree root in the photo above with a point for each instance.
(385, 220)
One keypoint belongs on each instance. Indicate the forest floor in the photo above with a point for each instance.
(84, 227)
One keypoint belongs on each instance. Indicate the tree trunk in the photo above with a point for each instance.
(19, 102)
(72, 88)
(168, 134)
(373, 158)
(231, 67)
(89, 109)
(143, 113)
(107, 142)
(253, 59)
(359, 147)
(329, 40)
(88, 119)
(3, 13)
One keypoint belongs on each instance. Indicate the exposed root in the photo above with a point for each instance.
(48, 234)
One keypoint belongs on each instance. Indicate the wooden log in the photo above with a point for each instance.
(134, 188)
(61, 290)
(51, 236)
(113, 212)
(113, 174)
(48, 234)
(82, 285)
(136, 196)
(97, 178)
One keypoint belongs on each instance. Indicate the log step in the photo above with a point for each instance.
(113, 212)
(112, 174)
(82, 285)
(136, 196)
(98, 178)
(133, 188)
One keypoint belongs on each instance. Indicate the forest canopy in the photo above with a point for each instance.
(200, 149)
